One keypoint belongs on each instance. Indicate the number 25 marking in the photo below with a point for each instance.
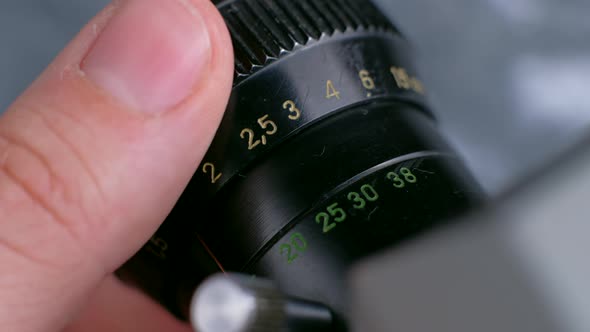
(324, 218)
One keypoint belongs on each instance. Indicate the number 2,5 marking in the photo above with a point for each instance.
(264, 123)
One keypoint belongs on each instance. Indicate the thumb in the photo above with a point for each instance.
(94, 155)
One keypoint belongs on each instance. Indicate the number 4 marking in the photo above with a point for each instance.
(331, 91)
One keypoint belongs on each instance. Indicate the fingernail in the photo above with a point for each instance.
(151, 54)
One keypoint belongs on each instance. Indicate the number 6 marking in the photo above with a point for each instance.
(367, 80)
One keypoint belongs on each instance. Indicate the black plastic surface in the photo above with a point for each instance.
(302, 129)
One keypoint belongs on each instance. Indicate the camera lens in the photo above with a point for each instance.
(328, 152)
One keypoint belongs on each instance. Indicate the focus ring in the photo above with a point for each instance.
(264, 30)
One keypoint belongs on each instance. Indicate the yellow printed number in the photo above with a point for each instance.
(264, 123)
(249, 135)
(209, 167)
(252, 143)
(401, 77)
(331, 91)
(367, 80)
(405, 81)
(292, 108)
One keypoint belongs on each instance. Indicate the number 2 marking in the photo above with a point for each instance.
(214, 177)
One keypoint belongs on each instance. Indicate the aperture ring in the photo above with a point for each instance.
(250, 211)
(263, 114)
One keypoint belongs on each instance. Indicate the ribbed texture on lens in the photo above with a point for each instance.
(263, 30)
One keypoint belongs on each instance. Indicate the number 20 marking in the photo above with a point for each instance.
(296, 241)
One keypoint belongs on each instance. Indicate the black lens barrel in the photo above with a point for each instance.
(327, 153)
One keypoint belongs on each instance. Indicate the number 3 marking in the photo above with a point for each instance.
(292, 108)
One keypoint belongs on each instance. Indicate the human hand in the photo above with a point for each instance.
(93, 157)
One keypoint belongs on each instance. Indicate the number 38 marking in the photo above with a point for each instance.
(400, 181)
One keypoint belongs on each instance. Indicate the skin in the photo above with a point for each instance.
(86, 179)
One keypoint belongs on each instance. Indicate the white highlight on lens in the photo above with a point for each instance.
(221, 305)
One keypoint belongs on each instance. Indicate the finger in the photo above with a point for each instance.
(95, 153)
(115, 307)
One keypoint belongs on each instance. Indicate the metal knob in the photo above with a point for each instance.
(239, 303)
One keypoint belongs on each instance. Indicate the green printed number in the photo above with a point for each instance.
(400, 180)
(290, 250)
(325, 219)
(368, 194)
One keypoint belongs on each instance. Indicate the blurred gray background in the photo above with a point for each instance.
(508, 79)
